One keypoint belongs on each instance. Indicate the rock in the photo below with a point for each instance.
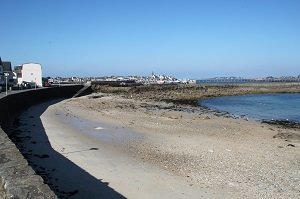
(206, 118)
(291, 145)
(288, 136)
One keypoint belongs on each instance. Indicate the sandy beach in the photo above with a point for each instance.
(115, 147)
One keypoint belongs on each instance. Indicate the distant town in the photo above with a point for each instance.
(165, 79)
(250, 80)
(151, 79)
(29, 75)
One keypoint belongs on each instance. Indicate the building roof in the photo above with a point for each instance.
(6, 66)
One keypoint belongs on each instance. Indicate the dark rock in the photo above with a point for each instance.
(291, 145)
(283, 123)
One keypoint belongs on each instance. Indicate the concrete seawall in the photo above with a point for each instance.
(17, 178)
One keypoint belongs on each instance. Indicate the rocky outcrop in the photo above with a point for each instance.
(191, 94)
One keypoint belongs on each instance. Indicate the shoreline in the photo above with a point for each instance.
(208, 150)
(76, 162)
(167, 147)
(191, 94)
(283, 123)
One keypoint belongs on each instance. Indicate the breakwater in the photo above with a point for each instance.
(17, 178)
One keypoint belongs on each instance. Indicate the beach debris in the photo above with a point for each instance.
(228, 150)
(94, 148)
(210, 150)
(99, 128)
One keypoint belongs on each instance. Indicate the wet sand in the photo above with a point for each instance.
(85, 158)
(143, 149)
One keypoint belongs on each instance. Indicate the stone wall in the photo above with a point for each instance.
(17, 179)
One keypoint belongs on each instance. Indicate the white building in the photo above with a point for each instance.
(30, 72)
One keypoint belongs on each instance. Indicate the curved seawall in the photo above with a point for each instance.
(17, 178)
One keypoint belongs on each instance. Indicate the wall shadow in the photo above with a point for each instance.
(63, 176)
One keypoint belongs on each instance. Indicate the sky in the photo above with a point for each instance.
(182, 38)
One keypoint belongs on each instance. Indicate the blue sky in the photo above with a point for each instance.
(183, 38)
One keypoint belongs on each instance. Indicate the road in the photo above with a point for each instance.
(3, 93)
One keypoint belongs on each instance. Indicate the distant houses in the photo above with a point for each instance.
(6, 66)
(29, 75)
(30, 72)
(239, 80)
(25, 74)
(152, 79)
(10, 75)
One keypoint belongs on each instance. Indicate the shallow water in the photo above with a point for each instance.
(259, 107)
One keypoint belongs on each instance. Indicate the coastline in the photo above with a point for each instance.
(141, 145)
(289, 120)
(78, 163)
(208, 150)
(190, 95)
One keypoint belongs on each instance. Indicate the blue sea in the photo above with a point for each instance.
(258, 107)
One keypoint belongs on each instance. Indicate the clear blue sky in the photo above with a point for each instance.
(183, 38)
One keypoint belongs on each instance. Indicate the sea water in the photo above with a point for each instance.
(259, 107)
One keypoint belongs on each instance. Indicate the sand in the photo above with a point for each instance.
(109, 146)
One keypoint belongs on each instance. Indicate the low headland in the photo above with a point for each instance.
(192, 93)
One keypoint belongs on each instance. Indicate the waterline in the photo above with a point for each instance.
(261, 107)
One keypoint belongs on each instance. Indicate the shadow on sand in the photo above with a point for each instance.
(64, 177)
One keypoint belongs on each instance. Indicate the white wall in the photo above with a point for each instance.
(32, 73)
